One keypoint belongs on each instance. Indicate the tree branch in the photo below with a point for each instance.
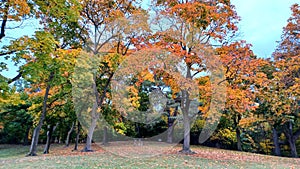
(15, 78)
(5, 17)
(105, 90)
(7, 53)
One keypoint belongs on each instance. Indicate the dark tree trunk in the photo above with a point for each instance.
(293, 148)
(236, 121)
(105, 140)
(77, 136)
(277, 150)
(68, 135)
(26, 141)
(291, 138)
(137, 130)
(238, 138)
(36, 132)
(49, 137)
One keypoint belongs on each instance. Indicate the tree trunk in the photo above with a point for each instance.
(291, 139)
(36, 132)
(187, 128)
(77, 136)
(185, 106)
(68, 135)
(171, 125)
(236, 122)
(88, 145)
(170, 133)
(48, 142)
(95, 115)
(26, 141)
(238, 138)
(186, 123)
(105, 140)
(293, 148)
(277, 150)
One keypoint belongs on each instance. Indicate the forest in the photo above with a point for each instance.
(174, 72)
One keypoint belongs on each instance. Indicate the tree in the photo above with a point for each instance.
(11, 11)
(113, 24)
(15, 120)
(285, 84)
(240, 67)
(183, 26)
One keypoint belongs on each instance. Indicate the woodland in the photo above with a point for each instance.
(106, 71)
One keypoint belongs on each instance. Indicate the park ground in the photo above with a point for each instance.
(13, 156)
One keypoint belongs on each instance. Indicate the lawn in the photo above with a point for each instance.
(13, 156)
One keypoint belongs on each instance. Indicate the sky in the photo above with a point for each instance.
(262, 22)
(261, 25)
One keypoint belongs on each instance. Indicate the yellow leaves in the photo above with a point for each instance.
(227, 135)
(146, 75)
(17, 9)
(10, 98)
(134, 98)
(113, 60)
(172, 111)
(35, 107)
(248, 121)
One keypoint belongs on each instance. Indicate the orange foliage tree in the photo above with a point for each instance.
(182, 27)
(285, 88)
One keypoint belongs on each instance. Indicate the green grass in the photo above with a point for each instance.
(59, 157)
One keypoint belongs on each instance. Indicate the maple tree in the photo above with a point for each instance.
(240, 67)
(184, 25)
(182, 52)
(285, 84)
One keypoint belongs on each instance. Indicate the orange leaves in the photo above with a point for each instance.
(16, 9)
(205, 93)
(284, 87)
(146, 75)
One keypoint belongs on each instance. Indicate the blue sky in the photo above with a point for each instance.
(262, 22)
(261, 25)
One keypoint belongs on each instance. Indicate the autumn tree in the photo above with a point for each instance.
(184, 25)
(285, 84)
(47, 55)
(11, 12)
(112, 26)
(240, 67)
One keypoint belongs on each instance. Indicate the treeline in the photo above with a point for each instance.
(66, 91)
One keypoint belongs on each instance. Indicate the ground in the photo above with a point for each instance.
(13, 156)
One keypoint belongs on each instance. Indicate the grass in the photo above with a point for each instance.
(13, 156)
